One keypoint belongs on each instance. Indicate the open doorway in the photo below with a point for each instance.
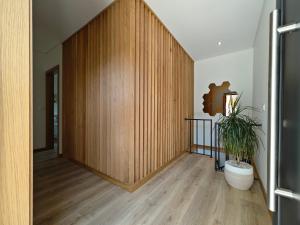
(52, 109)
(46, 120)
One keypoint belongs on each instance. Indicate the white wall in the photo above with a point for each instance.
(237, 68)
(41, 63)
(260, 83)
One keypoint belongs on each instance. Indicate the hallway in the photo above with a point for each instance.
(188, 192)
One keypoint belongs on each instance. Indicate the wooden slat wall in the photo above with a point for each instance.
(98, 87)
(128, 85)
(15, 113)
(163, 94)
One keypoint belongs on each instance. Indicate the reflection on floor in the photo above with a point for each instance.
(188, 192)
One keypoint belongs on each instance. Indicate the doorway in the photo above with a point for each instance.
(52, 109)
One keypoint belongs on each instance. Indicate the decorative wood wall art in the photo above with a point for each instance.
(213, 101)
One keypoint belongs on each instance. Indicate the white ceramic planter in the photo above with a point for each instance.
(239, 176)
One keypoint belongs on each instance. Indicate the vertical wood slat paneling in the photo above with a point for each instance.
(142, 89)
(137, 93)
(80, 95)
(164, 94)
(145, 109)
(98, 110)
(128, 85)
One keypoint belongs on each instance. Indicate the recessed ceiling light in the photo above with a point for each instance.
(219, 43)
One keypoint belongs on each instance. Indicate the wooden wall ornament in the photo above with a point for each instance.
(213, 101)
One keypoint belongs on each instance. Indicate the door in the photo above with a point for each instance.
(289, 152)
(52, 113)
(284, 189)
(49, 110)
(15, 113)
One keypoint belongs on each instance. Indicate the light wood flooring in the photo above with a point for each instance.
(188, 192)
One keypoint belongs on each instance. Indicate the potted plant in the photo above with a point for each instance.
(240, 141)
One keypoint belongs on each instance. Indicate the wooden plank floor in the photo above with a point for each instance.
(188, 192)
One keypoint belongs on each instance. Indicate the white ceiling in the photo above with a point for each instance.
(197, 24)
(55, 20)
(200, 24)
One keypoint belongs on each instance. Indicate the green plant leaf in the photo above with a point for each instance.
(238, 132)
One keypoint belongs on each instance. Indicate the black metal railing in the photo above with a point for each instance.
(197, 147)
(220, 153)
(217, 151)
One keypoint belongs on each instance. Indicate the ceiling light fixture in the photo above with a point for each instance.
(219, 43)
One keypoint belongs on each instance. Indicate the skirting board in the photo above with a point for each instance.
(207, 147)
(257, 177)
(128, 187)
(40, 149)
(260, 182)
(138, 184)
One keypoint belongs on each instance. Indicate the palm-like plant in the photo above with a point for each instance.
(238, 132)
